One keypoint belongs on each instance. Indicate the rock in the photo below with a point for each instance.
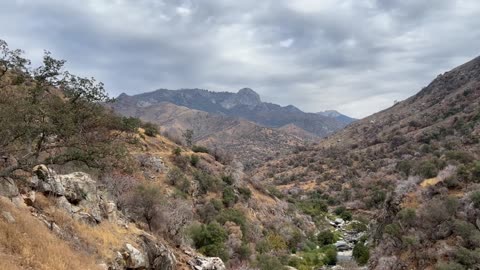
(342, 246)
(477, 222)
(159, 257)
(110, 210)
(103, 266)
(391, 262)
(207, 263)
(63, 203)
(8, 188)
(29, 198)
(134, 259)
(8, 217)
(339, 221)
(155, 163)
(19, 202)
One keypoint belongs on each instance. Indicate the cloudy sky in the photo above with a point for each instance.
(356, 56)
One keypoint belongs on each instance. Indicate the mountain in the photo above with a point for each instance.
(246, 104)
(338, 116)
(412, 170)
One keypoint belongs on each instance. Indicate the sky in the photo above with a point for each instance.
(354, 56)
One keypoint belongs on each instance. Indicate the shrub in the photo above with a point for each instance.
(151, 130)
(325, 238)
(209, 239)
(330, 256)
(194, 159)
(199, 149)
(460, 156)
(361, 253)
(178, 179)
(475, 197)
(235, 216)
(476, 172)
(228, 179)
(407, 216)
(228, 197)
(206, 182)
(245, 192)
(449, 266)
(276, 242)
(177, 151)
(427, 169)
(405, 167)
(268, 262)
(468, 258)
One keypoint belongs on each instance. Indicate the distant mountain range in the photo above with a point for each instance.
(237, 122)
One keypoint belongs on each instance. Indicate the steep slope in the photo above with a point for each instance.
(413, 169)
(248, 142)
(244, 104)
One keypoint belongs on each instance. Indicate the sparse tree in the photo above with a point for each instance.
(188, 136)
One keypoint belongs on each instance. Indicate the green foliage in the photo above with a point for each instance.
(275, 192)
(130, 124)
(449, 266)
(199, 149)
(188, 136)
(235, 216)
(177, 151)
(314, 206)
(343, 213)
(178, 179)
(194, 159)
(405, 167)
(228, 196)
(475, 197)
(469, 233)
(206, 182)
(268, 262)
(227, 179)
(325, 237)
(245, 192)
(427, 169)
(361, 253)
(209, 239)
(460, 156)
(330, 256)
(151, 130)
(468, 258)
(376, 198)
(145, 201)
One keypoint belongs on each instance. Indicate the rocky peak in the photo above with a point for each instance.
(244, 96)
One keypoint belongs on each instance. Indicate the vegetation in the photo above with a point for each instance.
(210, 239)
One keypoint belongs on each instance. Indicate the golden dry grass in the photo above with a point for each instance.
(28, 244)
(430, 182)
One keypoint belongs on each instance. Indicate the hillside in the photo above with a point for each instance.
(412, 169)
(248, 142)
(83, 188)
(245, 104)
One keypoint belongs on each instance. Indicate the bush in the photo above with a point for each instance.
(228, 197)
(235, 216)
(460, 156)
(361, 253)
(330, 256)
(151, 130)
(245, 192)
(325, 238)
(177, 151)
(209, 239)
(405, 167)
(427, 169)
(178, 179)
(267, 262)
(449, 266)
(475, 197)
(206, 182)
(468, 258)
(194, 159)
(199, 149)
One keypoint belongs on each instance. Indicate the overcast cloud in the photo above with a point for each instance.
(356, 56)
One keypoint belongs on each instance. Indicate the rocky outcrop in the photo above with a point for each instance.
(134, 259)
(207, 263)
(159, 257)
(76, 193)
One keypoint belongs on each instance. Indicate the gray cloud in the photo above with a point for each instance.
(353, 56)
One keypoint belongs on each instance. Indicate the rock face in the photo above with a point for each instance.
(76, 193)
(159, 257)
(134, 259)
(207, 263)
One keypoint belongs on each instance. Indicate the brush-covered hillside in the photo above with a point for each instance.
(83, 188)
(412, 170)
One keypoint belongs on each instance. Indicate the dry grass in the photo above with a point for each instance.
(430, 182)
(28, 244)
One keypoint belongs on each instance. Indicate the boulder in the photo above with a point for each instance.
(207, 263)
(342, 246)
(477, 222)
(134, 259)
(159, 257)
(8, 188)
